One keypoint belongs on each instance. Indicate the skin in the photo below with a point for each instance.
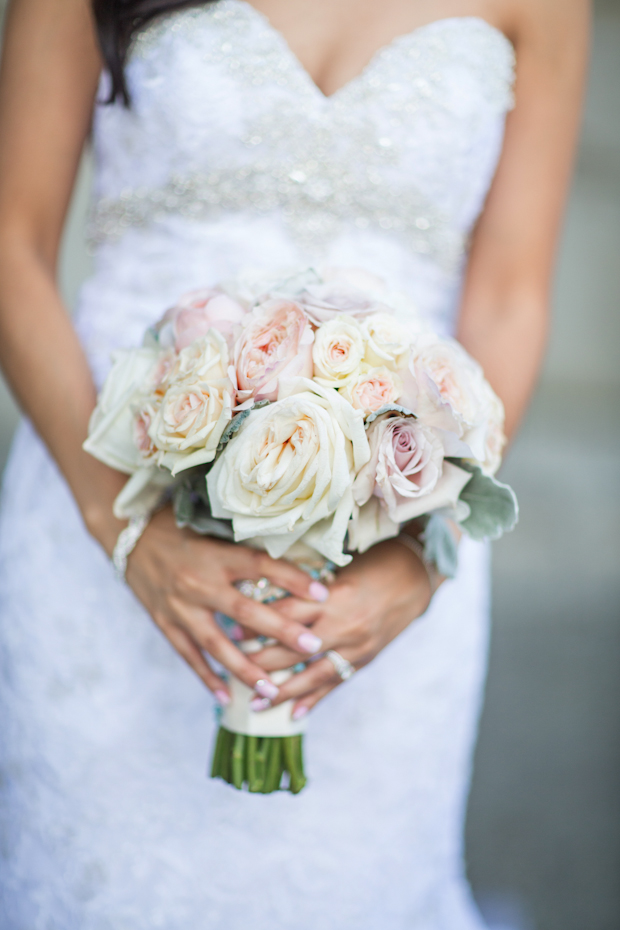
(48, 80)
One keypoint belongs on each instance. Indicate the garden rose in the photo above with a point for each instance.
(387, 342)
(338, 352)
(407, 470)
(495, 439)
(328, 301)
(196, 313)
(370, 524)
(189, 423)
(289, 471)
(447, 390)
(206, 359)
(372, 389)
(142, 424)
(111, 437)
(276, 342)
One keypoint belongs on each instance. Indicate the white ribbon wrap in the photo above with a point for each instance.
(239, 717)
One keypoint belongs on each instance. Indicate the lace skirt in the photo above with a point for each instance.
(108, 820)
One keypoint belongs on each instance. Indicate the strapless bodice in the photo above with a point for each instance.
(230, 156)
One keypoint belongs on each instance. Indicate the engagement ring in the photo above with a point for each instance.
(343, 666)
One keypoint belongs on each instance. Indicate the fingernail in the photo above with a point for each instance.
(318, 591)
(257, 704)
(310, 643)
(222, 698)
(266, 689)
(236, 633)
(299, 712)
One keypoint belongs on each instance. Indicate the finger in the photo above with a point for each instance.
(262, 619)
(206, 633)
(302, 707)
(290, 577)
(190, 651)
(316, 675)
(295, 608)
(276, 657)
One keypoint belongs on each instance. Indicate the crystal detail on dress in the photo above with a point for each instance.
(320, 162)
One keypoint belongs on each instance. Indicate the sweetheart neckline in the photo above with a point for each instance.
(375, 59)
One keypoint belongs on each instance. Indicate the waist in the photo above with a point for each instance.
(139, 275)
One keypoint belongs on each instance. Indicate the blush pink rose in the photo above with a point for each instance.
(407, 471)
(373, 389)
(275, 343)
(142, 425)
(324, 302)
(199, 311)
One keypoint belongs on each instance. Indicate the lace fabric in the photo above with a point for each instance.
(231, 158)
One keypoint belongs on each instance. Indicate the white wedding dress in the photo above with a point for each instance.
(231, 158)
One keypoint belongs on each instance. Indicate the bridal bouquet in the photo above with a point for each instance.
(311, 416)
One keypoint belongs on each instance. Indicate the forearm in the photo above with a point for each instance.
(46, 368)
(509, 342)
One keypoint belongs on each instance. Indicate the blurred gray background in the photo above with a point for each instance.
(543, 833)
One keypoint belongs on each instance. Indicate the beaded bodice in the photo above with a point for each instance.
(225, 118)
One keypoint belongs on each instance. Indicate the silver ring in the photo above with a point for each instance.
(343, 666)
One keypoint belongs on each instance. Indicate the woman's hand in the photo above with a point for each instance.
(372, 600)
(183, 579)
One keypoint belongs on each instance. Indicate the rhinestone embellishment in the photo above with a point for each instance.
(322, 164)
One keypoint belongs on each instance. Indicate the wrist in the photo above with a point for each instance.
(102, 525)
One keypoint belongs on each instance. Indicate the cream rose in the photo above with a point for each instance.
(388, 342)
(189, 423)
(196, 313)
(276, 342)
(206, 359)
(338, 352)
(289, 472)
(372, 389)
(407, 470)
(111, 437)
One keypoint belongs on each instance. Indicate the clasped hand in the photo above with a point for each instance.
(183, 580)
(372, 600)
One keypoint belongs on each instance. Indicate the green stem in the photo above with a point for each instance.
(259, 761)
(238, 759)
(251, 749)
(297, 780)
(274, 766)
(226, 763)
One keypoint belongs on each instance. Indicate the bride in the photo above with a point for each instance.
(231, 135)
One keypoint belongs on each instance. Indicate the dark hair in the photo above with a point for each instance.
(118, 22)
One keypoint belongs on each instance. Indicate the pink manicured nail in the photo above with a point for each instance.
(310, 643)
(299, 712)
(236, 634)
(222, 698)
(258, 704)
(318, 591)
(266, 689)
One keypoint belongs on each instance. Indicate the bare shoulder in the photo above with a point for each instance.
(553, 31)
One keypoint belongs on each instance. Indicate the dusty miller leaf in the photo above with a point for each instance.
(440, 546)
(493, 505)
(389, 408)
(236, 423)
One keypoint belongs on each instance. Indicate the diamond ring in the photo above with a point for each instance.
(343, 666)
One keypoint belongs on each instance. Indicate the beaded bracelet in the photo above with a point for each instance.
(127, 542)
